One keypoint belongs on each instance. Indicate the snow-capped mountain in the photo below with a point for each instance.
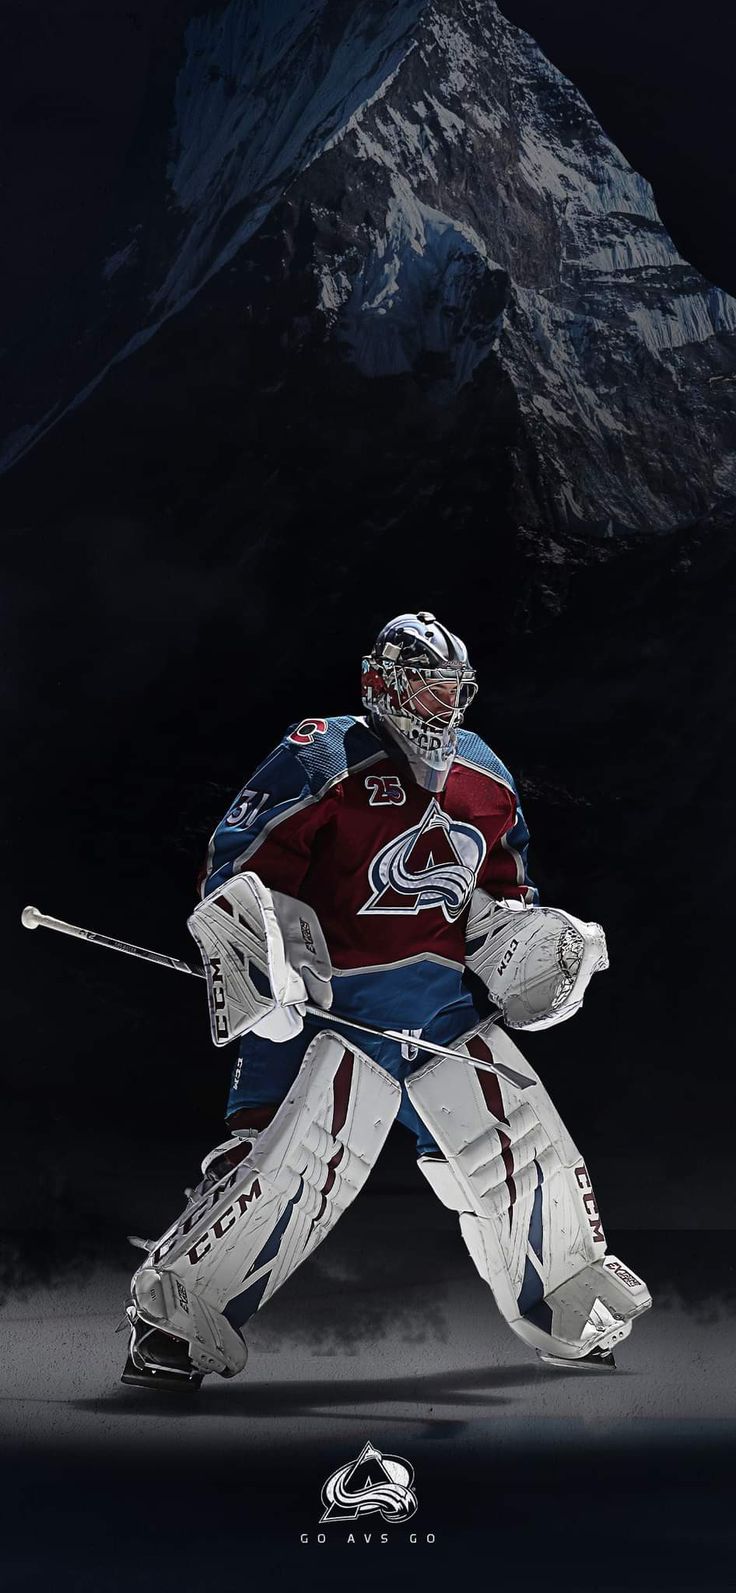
(410, 191)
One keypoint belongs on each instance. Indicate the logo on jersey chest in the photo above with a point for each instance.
(433, 864)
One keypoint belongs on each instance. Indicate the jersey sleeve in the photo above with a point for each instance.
(271, 827)
(505, 871)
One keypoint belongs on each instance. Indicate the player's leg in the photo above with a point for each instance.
(261, 1079)
(247, 1230)
(155, 1357)
(527, 1210)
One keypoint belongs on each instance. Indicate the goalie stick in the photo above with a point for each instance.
(33, 918)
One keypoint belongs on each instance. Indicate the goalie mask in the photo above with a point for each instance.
(417, 684)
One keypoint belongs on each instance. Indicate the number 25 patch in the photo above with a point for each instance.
(386, 790)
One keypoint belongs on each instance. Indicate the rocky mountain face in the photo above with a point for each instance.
(409, 203)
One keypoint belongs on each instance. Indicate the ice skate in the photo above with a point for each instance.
(158, 1360)
(593, 1361)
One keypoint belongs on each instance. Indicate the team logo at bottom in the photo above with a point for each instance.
(372, 1483)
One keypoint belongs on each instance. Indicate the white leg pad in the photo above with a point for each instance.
(527, 1210)
(230, 1250)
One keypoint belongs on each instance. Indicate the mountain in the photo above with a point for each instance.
(403, 209)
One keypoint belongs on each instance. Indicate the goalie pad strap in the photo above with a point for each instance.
(232, 1249)
(527, 1209)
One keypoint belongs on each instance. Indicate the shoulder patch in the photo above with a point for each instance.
(330, 748)
(304, 733)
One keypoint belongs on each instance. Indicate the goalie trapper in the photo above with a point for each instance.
(535, 962)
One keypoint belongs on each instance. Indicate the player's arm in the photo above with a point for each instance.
(505, 872)
(535, 962)
(271, 826)
(265, 839)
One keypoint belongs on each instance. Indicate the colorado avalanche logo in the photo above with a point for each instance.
(434, 864)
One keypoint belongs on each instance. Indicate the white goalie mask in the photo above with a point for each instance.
(417, 684)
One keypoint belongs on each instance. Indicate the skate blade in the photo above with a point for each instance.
(594, 1362)
(161, 1381)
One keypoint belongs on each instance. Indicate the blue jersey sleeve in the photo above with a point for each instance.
(278, 788)
(274, 821)
(511, 851)
(516, 841)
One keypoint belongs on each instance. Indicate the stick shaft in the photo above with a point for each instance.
(415, 1042)
(45, 921)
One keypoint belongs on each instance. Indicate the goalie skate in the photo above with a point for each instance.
(595, 1361)
(157, 1360)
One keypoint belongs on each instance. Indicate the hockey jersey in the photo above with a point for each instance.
(333, 818)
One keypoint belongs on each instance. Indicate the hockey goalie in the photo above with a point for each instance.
(373, 870)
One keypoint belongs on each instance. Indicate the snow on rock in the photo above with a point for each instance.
(262, 92)
(505, 224)
(120, 259)
(685, 318)
(415, 293)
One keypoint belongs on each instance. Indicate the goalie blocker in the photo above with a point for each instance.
(264, 956)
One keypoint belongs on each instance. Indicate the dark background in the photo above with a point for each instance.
(155, 657)
(150, 668)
